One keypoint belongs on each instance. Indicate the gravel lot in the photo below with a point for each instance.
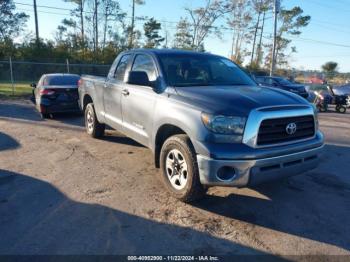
(62, 192)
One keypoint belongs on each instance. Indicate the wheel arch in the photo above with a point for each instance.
(86, 100)
(163, 133)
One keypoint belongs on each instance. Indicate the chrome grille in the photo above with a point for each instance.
(274, 131)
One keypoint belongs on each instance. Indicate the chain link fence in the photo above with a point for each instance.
(15, 72)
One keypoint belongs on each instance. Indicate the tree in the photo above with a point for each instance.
(183, 39)
(240, 21)
(78, 13)
(111, 13)
(259, 7)
(132, 26)
(11, 23)
(291, 22)
(151, 28)
(330, 68)
(203, 20)
(259, 49)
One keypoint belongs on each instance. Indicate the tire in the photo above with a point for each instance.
(323, 108)
(185, 185)
(45, 116)
(94, 128)
(342, 109)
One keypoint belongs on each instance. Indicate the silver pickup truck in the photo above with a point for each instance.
(205, 120)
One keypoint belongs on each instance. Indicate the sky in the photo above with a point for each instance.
(327, 38)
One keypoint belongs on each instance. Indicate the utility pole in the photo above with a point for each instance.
(276, 10)
(131, 37)
(36, 23)
(96, 26)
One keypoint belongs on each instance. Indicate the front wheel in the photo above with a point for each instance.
(93, 127)
(180, 169)
(322, 107)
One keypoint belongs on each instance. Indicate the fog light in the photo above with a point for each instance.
(226, 173)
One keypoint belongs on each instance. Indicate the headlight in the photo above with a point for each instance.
(225, 125)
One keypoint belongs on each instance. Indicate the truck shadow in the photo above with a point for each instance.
(7, 142)
(20, 111)
(314, 205)
(36, 218)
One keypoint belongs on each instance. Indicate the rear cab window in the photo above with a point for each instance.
(144, 63)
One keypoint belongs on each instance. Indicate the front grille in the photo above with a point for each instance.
(274, 131)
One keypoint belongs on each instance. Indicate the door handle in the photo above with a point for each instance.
(125, 92)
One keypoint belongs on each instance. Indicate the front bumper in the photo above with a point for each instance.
(255, 171)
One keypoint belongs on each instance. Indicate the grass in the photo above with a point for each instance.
(22, 90)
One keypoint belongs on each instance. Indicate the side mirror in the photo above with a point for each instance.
(33, 85)
(139, 78)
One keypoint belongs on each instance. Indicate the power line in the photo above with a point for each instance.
(329, 28)
(49, 7)
(325, 56)
(40, 11)
(90, 12)
(320, 42)
(329, 6)
(309, 40)
(330, 23)
(174, 22)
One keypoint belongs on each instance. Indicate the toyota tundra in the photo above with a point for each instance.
(205, 120)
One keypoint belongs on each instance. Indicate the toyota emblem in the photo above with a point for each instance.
(291, 128)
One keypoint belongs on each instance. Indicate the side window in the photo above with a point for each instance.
(269, 81)
(260, 80)
(45, 81)
(121, 68)
(145, 63)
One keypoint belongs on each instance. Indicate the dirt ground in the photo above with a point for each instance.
(62, 192)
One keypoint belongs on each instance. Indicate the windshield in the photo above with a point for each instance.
(202, 70)
(61, 80)
(283, 81)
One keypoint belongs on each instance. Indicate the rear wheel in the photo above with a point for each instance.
(180, 169)
(45, 116)
(94, 128)
(341, 109)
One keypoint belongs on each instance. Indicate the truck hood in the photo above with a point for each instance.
(235, 100)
